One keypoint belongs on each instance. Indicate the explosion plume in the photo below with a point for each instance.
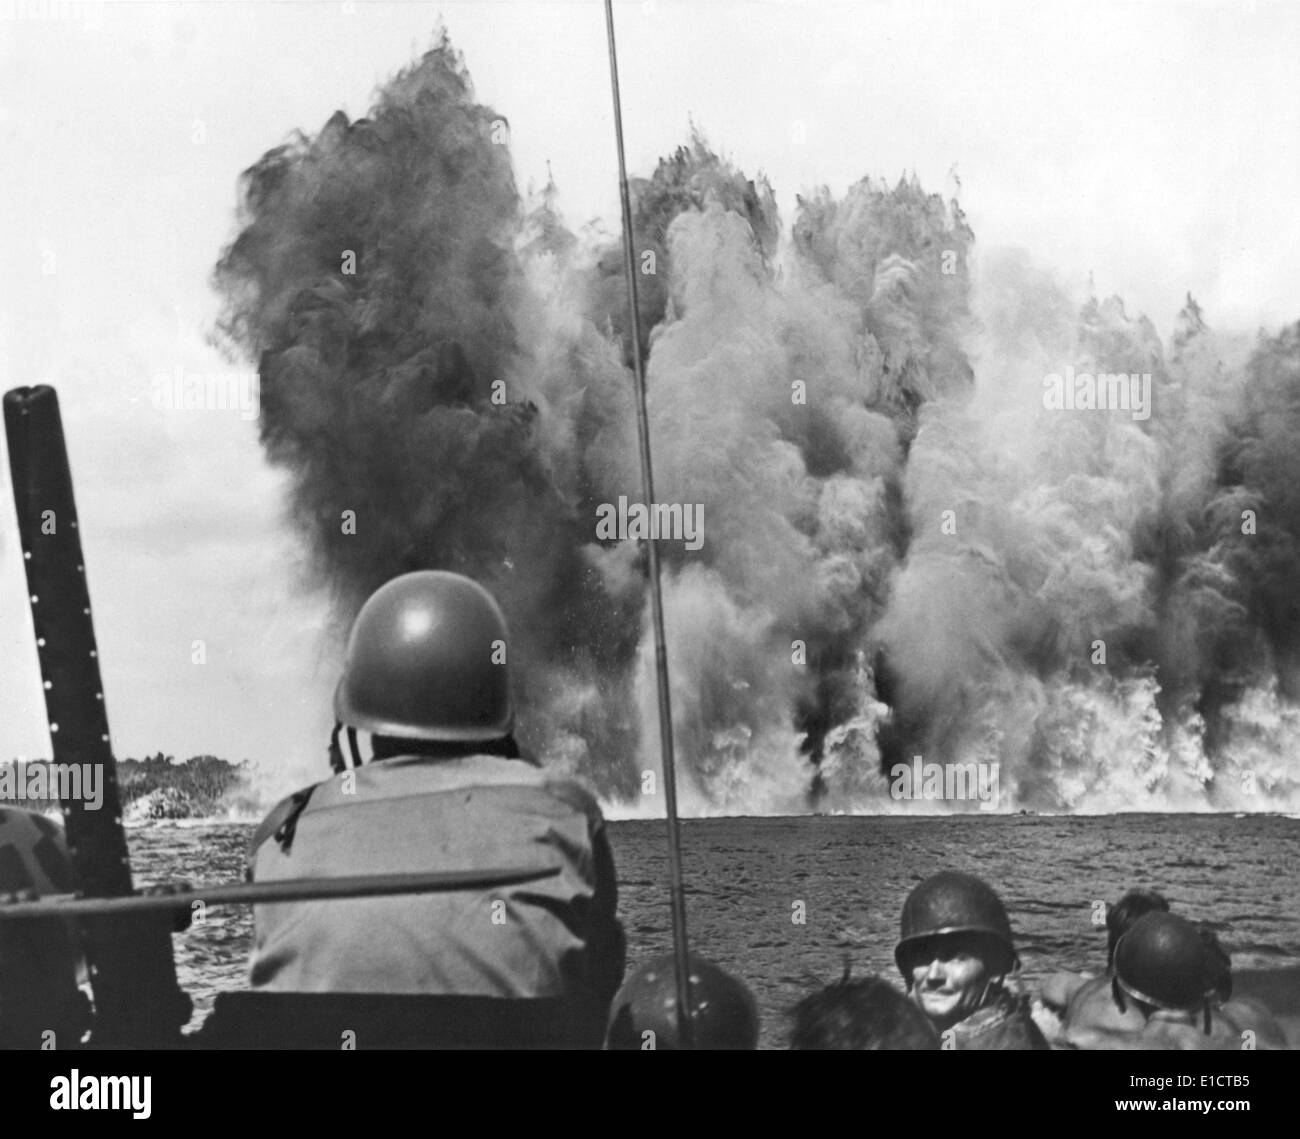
(907, 550)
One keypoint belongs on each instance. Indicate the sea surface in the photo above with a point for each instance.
(750, 880)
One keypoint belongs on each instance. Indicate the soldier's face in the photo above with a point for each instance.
(949, 982)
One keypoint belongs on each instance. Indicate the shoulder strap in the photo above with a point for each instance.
(280, 823)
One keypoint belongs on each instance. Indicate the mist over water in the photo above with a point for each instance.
(906, 550)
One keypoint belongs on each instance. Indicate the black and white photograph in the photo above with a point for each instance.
(651, 525)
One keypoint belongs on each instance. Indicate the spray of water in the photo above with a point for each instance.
(906, 551)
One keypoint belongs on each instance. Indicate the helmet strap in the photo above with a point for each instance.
(337, 763)
(1118, 994)
(994, 985)
(341, 761)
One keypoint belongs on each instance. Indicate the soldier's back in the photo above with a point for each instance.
(552, 939)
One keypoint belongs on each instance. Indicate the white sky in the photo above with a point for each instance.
(1152, 145)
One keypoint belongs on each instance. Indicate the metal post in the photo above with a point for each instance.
(676, 895)
(137, 1000)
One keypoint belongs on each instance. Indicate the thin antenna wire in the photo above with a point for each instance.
(676, 896)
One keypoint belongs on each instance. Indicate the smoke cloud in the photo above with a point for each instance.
(907, 550)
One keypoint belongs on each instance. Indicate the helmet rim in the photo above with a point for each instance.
(1146, 998)
(347, 714)
(996, 935)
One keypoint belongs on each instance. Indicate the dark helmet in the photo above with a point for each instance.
(952, 902)
(1161, 961)
(724, 1014)
(426, 660)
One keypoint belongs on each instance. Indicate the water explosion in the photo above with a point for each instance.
(908, 552)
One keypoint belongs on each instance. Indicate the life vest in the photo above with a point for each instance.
(556, 938)
(1003, 1024)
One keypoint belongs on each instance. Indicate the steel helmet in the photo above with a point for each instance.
(1161, 961)
(724, 1014)
(952, 902)
(427, 660)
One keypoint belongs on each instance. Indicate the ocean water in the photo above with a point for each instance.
(749, 880)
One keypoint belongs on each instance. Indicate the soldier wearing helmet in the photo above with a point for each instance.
(955, 952)
(1101, 1013)
(443, 787)
(643, 1015)
(1165, 971)
(1087, 1005)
